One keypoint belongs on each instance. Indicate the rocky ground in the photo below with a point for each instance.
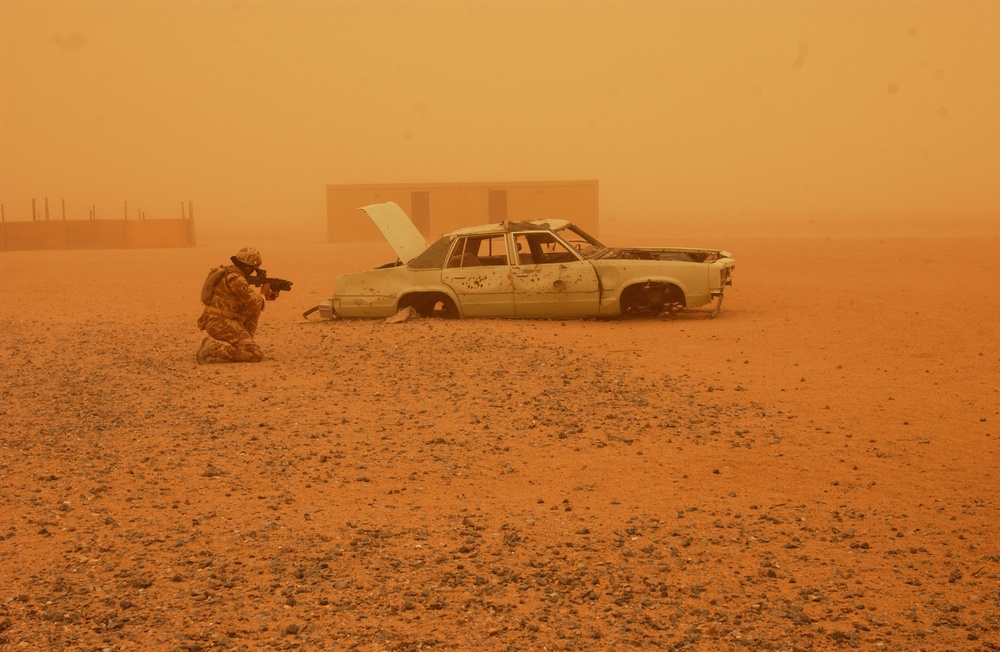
(816, 469)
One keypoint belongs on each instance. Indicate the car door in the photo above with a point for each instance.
(551, 279)
(478, 272)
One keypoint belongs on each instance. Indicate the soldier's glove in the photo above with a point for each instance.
(267, 292)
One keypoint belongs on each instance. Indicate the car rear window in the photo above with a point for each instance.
(433, 257)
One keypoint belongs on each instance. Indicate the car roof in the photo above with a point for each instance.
(507, 226)
(403, 236)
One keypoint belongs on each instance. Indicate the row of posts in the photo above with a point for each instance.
(185, 214)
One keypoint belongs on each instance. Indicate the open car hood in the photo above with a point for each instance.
(401, 234)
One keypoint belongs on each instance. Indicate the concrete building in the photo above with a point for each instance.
(96, 234)
(438, 208)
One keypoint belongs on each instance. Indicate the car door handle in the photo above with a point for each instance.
(520, 273)
(459, 276)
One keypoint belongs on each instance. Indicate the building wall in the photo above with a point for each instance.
(96, 234)
(456, 205)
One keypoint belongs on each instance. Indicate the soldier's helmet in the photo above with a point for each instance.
(249, 257)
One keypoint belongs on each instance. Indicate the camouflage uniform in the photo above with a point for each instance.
(230, 319)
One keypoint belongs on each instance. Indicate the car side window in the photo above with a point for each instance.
(479, 252)
(455, 260)
(541, 249)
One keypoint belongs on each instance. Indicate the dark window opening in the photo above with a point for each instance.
(498, 205)
(420, 210)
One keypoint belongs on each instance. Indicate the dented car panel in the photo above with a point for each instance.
(543, 268)
(376, 293)
(570, 288)
(481, 292)
(551, 279)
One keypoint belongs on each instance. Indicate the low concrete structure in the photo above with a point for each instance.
(437, 208)
(96, 234)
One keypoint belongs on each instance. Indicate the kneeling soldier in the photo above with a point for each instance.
(232, 309)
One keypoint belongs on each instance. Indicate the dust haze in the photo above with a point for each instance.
(762, 117)
(814, 469)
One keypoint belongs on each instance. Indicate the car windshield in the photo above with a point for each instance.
(583, 242)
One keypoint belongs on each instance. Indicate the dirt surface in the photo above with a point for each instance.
(816, 469)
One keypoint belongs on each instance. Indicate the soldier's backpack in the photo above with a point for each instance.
(214, 276)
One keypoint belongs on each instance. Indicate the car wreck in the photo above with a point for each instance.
(539, 269)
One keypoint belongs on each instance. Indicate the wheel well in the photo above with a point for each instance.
(429, 304)
(651, 298)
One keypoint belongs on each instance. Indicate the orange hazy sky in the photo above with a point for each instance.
(741, 112)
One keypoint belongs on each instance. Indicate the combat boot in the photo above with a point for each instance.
(206, 345)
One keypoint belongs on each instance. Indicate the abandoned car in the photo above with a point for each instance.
(544, 268)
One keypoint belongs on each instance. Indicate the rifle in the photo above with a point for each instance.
(277, 284)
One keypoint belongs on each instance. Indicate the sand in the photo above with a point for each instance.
(815, 469)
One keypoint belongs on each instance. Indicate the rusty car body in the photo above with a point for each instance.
(538, 269)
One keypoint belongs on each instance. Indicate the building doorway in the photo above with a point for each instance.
(420, 210)
(498, 205)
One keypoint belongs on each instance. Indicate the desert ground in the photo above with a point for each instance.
(815, 469)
